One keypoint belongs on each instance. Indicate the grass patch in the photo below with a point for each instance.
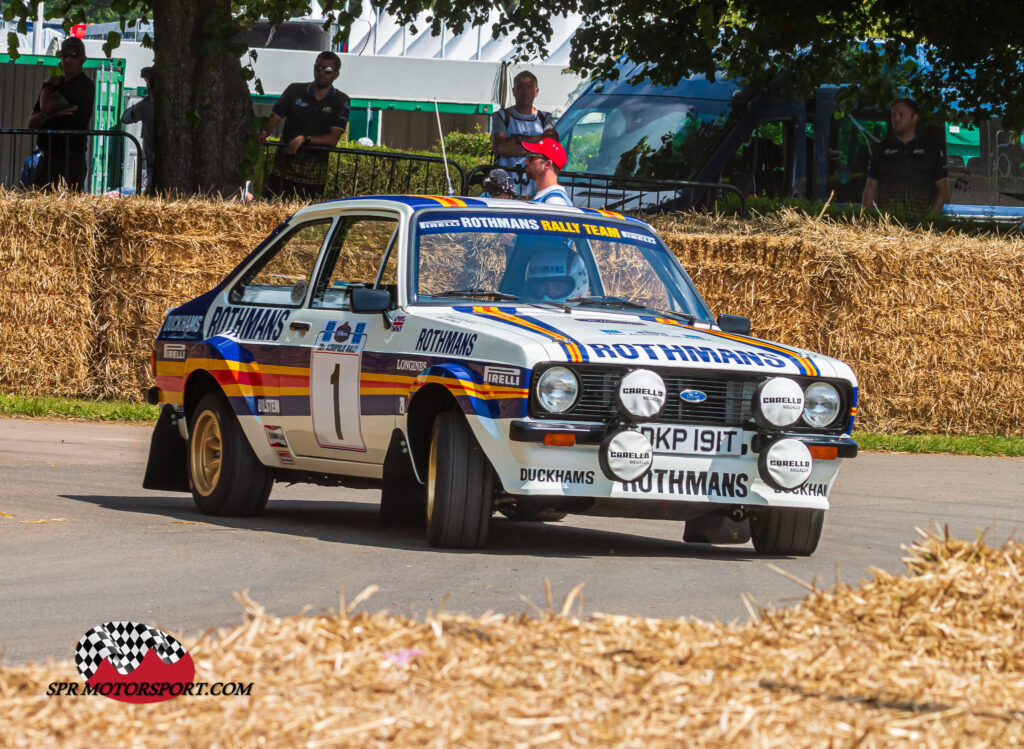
(76, 408)
(983, 445)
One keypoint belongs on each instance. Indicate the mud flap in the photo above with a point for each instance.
(167, 469)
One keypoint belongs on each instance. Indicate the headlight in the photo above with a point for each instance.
(557, 389)
(821, 404)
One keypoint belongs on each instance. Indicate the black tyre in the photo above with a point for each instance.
(786, 530)
(403, 499)
(460, 485)
(543, 515)
(224, 474)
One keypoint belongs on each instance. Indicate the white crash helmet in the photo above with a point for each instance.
(557, 274)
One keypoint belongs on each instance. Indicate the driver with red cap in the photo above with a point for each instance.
(544, 161)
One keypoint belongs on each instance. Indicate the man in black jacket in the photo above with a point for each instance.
(65, 102)
(314, 114)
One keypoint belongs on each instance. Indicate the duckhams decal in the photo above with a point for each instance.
(181, 326)
(556, 476)
(248, 323)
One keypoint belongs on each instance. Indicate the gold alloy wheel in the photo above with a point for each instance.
(206, 452)
(431, 480)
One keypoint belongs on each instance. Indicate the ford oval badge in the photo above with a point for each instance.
(693, 396)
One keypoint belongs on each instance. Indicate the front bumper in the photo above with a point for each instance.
(528, 467)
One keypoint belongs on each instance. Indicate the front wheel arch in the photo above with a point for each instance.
(424, 407)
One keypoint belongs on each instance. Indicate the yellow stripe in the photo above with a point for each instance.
(251, 367)
(498, 314)
(170, 368)
(469, 388)
(808, 364)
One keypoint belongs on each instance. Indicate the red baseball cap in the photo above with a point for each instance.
(550, 149)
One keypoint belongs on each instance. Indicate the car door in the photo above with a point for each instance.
(249, 323)
(349, 420)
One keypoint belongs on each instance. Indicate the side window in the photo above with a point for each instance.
(354, 259)
(282, 276)
(759, 165)
(851, 139)
(626, 273)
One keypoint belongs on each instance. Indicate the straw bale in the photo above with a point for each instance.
(931, 323)
(934, 657)
(154, 255)
(46, 257)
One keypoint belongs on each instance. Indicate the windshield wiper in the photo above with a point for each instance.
(557, 305)
(487, 293)
(681, 316)
(606, 301)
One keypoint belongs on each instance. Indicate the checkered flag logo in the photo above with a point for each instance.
(124, 644)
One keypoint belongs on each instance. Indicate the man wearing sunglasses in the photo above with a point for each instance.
(545, 160)
(65, 102)
(314, 114)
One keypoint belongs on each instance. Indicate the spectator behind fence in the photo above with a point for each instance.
(907, 172)
(65, 102)
(546, 161)
(142, 111)
(498, 184)
(314, 114)
(522, 123)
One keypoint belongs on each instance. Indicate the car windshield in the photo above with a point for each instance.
(660, 137)
(559, 260)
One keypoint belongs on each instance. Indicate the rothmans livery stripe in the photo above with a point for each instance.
(382, 384)
(804, 364)
(575, 351)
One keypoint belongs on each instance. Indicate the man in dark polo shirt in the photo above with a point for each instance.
(907, 172)
(65, 102)
(314, 114)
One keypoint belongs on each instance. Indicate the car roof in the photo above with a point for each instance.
(423, 202)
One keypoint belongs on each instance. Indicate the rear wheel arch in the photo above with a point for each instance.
(198, 384)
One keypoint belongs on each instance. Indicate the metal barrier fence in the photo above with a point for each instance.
(623, 193)
(94, 161)
(357, 171)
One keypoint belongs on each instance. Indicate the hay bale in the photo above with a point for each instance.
(155, 254)
(47, 256)
(931, 658)
(931, 323)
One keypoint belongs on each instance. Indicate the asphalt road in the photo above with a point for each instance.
(111, 550)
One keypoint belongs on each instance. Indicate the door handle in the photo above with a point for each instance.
(298, 325)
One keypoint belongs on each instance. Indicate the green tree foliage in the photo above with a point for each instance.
(963, 56)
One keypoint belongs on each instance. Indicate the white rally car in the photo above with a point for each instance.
(470, 355)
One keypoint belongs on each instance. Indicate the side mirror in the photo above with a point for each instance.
(370, 300)
(734, 324)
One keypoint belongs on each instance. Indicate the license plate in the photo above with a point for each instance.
(691, 440)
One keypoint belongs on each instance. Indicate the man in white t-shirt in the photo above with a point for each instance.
(544, 163)
(522, 123)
